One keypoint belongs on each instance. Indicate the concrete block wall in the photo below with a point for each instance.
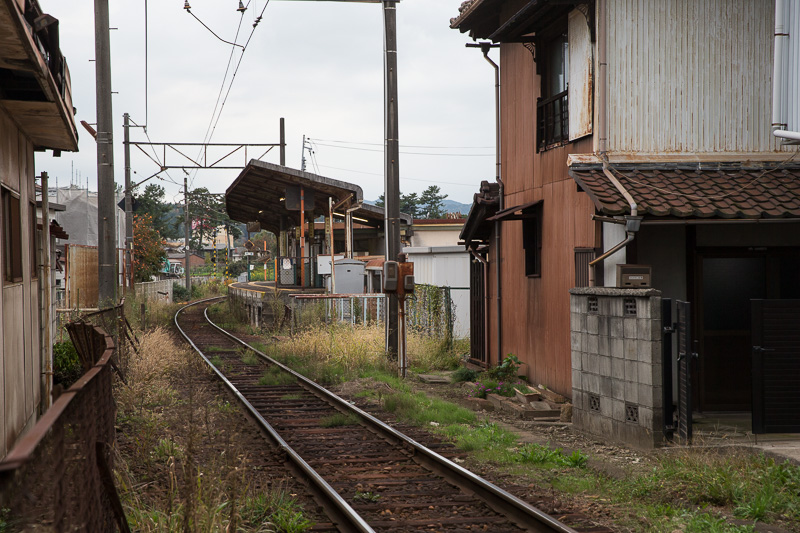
(616, 364)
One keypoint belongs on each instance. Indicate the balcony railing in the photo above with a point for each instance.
(552, 121)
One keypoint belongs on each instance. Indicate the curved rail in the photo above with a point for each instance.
(348, 518)
(517, 510)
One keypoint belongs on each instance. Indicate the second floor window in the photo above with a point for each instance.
(552, 113)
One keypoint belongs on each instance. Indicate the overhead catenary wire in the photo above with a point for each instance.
(404, 152)
(405, 145)
(404, 178)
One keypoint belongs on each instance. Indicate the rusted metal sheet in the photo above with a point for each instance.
(691, 77)
(581, 81)
(82, 276)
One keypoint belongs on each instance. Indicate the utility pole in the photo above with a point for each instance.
(128, 206)
(392, 172)
(283, 144)
(106, 227)
(186, 237)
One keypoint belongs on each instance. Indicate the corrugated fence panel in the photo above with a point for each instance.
(688, 76)
(82, 271)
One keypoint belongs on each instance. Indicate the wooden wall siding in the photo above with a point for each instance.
(689, 76)
(20, 365)
(518, 94)
(82, 265)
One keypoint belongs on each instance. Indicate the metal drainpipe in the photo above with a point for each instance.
(633, 220)
(497, 233)
(485, 263)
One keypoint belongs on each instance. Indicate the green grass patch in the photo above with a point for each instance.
(274, 377)
(277, 509)
(250, 358)
(292, 396)
(339, 419)
(420, 410)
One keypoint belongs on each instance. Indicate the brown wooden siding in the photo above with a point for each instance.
(20, 359)
(535, 321)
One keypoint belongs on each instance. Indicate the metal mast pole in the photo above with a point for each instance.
(186, 237)
(128, 206)
(392, 172)
(106, 227)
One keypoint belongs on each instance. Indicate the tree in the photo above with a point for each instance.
(409, 204)
(151, 202)
(148, 248)
(207, 213)
(432, 202)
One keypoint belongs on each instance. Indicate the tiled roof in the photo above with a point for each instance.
(695, 191)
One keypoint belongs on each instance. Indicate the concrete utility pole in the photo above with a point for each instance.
(186, 237)
(106, 227)
(128, 205)
(392, 174)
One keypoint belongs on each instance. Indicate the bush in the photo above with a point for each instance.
(464, 374)
(67, 366)
(179, 293)
(507, 369)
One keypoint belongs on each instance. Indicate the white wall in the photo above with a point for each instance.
(445, 266)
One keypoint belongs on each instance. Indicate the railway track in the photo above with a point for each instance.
(366, 475)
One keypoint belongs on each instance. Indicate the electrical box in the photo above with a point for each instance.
(633, 276)
(391, 276)
(408, 283)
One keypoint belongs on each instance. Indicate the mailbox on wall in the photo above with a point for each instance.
(633, 276)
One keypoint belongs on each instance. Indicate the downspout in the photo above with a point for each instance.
(632, 221)
(497, 234)
(780, 84)
(781, 39)
(485, 263)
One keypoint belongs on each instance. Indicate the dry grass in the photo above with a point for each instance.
(348, 350)
(182, 461)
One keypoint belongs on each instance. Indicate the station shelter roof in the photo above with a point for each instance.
(260, 192)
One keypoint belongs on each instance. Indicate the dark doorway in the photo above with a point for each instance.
(727, 282)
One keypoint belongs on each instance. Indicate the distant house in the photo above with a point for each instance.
(179, 258)
(440, 261)
(635, 132)
(36, 113)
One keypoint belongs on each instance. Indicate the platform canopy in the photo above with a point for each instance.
(267, 193)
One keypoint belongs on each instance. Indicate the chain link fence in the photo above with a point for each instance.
(58, 475)
(429, 311)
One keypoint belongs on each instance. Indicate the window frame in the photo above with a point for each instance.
(552, 108)
(10, 214)
(532, 239)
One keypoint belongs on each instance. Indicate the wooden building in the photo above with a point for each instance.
(641, 128)
(35, 114)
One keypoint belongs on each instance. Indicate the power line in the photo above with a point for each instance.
(408, 145)
(402, 152)
(403, 177)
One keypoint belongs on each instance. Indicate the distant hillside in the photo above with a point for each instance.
(450, 206)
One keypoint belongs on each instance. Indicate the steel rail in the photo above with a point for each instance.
(345, 517)
(515, 509)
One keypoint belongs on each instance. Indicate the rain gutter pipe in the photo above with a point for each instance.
(781, 40)
(485, 263)
(485, 47)
(632, 221)
(498, 177)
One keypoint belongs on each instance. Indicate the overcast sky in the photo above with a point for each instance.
(317, 64)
